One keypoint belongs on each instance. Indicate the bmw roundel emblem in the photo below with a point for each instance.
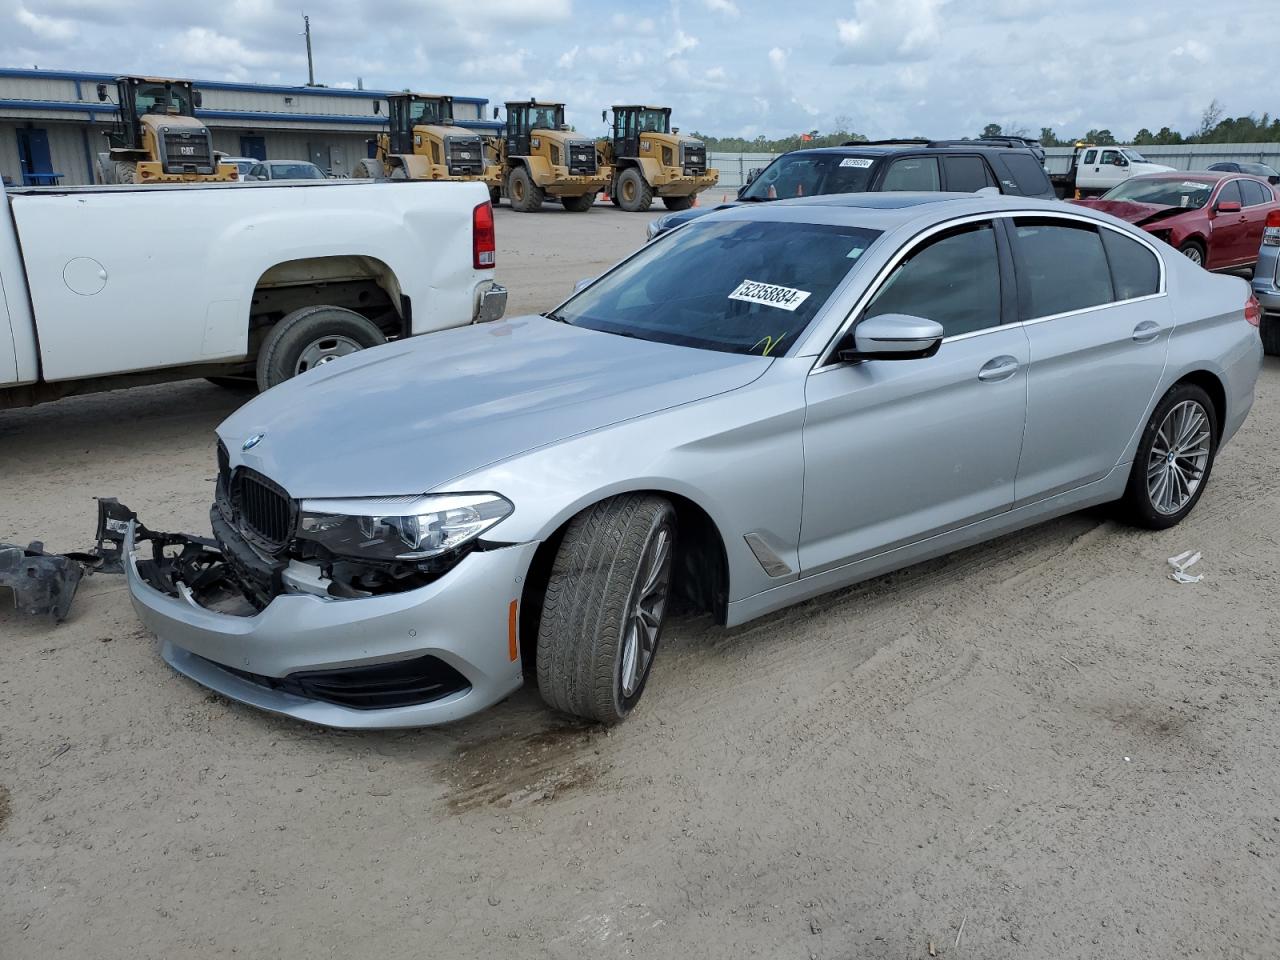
(252, 441)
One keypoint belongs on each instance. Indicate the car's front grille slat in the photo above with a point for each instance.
(264, 511)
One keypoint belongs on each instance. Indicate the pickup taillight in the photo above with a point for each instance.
(484, 246)
(1271, 233)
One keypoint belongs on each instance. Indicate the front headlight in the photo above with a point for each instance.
(401, 528)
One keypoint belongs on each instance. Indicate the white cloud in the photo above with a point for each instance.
(715, 74)
(46, 28)
(682, 44)
(885, 30)
(726, 7)
(567, 58)
(623, 21)
(778, 57)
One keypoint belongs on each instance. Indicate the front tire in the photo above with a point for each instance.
(525, 195)
(1193, 250)
(1174, 459)
(605, 605)
(311, 337)
(635, 194)
(367, 168)
(126, 171)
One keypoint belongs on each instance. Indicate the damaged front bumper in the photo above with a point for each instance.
(423, 656)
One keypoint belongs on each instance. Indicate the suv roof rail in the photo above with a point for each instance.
(996, 141)
(882, 143)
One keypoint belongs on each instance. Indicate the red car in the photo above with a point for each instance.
(1213, 217)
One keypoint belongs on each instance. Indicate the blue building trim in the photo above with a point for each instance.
(78, 76)
(64, 105)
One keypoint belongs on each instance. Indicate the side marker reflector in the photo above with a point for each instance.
(513, 645)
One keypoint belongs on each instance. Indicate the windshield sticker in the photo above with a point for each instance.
(1192, 185)
(770, 295)
(855, 253)
(859, 162)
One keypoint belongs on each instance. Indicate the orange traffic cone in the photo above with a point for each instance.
(725, 198)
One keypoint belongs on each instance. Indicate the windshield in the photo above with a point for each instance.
(546, 118)
(1134, 156)
(807, 174)
(652, 121)
(425, 112)
(1191, 194)
(734, 286)
(295, 171)
(161, 98)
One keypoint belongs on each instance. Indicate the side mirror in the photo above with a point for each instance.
(197, 98)
(1227, 206)
(102, 92)
(892, 336)
(1273, 179)
(583, 284)
(1121, 162)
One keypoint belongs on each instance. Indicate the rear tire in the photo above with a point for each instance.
(1174, 459)
(126, 171)
(399, 173)
(605, 605)
(579, 204)
(368, 169)
(634, 193)
(525, 195)
(1269, 330)
(495, 196)
(310, 337)
(677, 203)
(1193, 250)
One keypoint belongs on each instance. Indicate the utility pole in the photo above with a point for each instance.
(311, 69)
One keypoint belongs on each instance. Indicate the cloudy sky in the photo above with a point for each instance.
(728, 67)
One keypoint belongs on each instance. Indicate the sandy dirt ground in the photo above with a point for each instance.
(1040, 747)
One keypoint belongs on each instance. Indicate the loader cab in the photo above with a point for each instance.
(526, 116)
(630, 123)
(140, 97)
(408, 110)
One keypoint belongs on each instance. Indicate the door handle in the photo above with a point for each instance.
(998, 368)
(1146, 331)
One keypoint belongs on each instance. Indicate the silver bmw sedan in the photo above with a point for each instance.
(772, 402)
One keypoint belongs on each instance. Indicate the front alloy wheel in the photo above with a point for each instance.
(605, 603)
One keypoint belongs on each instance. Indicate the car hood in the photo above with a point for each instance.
(1136, 213)
(670, 221)
(406, 417)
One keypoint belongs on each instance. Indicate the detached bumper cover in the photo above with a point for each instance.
(336, 662)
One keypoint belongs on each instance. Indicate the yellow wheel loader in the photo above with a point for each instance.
(156, 137)
(541, 157)
(649, 160)
(423, 143)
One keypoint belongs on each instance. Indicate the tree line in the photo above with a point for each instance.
(1214, 128)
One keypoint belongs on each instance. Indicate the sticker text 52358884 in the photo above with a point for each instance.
(771, 295)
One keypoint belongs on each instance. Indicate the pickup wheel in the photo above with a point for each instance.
(635, 194)
(579, 204)
(311, 337)
(677, 203)
(604, 607)
(525, 195)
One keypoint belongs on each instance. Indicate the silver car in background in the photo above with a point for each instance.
(773, 402)
(1266, 283)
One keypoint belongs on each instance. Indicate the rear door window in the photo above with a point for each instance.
(1061, 267)
(1254, 193)
(913, 173)
(967, 174)
(953, 279)
(1135, 271)
(1029, 176)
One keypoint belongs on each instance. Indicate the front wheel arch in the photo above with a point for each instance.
(701, 566)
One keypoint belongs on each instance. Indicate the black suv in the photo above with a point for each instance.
(1012, 165)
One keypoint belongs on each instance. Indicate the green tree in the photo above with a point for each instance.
(992, 130)
(1050, 139)
(1103, 137)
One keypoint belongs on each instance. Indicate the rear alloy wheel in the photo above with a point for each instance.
(1174, 459)
(1193, 250)
(525, 195)
(605, 605)
(634, 193)
(312, 337)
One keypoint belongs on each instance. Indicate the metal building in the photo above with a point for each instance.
(52, 123)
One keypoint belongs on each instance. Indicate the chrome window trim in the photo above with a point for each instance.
(824, 363)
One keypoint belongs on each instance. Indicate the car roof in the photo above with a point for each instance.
(1205, 176)
(906, 146)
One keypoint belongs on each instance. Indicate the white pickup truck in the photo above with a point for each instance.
(1094, 170)
(245, 284)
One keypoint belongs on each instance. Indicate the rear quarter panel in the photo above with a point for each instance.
(178, 265)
